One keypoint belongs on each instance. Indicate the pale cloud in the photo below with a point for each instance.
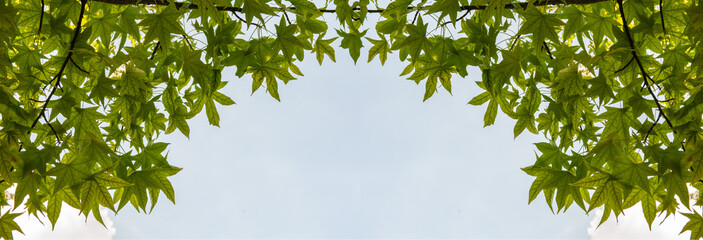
(70, 225)
(632, 225)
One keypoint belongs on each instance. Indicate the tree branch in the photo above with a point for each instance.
(463, 8)
(639, 63)
(661, 14)
(57, 78)
(41, 16)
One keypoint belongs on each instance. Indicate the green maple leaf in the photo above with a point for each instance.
(27, 59)
(541, 25)
(194, 67)
(28, 185)
(322, 47)
(416, 42)
(526, 110)
(600, 89)
(610, 193)
(390, 26)
(103, 27)
(636, 173)
(287, 42)
(306, 9)
(445, 7)
(396, 9)
(600, 26)
(28, 14)
(222, 99)
(269, 69)
(103, 89)
(569, 83)
(85, 122)
(211, 112)
(596, 180)
(96, 150)
(127, 20)
(694, 224)
(53, 208)
(619, 121)
(104, 179)
(255, 8)
(547, 181)
(575, 20)
(380, 48)
(510, 66)
(352, 42)
(8, 224)
(676, 58)
(312, 25)
(344, 11)
(134, 82)
(68, 175)
(92, 194)
(435, 71)
(177, 120)
(161, 25)
(155, 178)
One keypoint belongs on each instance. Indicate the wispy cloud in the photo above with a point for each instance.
(69, 226)
(632, 225)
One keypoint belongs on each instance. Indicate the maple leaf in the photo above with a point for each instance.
(445, 7)
(8, 224)
(352, 42)
(541, 25)
(694, 224)
(416, 42)
(380, 48)
(322, 47)
(161, 25)
(255, 8)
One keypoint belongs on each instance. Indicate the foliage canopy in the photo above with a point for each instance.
(88, 86)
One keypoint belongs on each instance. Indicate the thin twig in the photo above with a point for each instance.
(245, 21)
(153, 53)
(546, 47)
(652, 127)
(661, 14)
(79, 67)
(626, 65)
(466, 12)
(41, 17)
(52, 128)
(57, 78)
(117, 143)
(287, 19)
(639, 64)
(415, 17)
(514, 42)
(188, 42)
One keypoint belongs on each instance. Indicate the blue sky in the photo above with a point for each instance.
(352, 151)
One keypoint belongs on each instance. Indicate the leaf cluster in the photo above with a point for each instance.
(88, 86)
